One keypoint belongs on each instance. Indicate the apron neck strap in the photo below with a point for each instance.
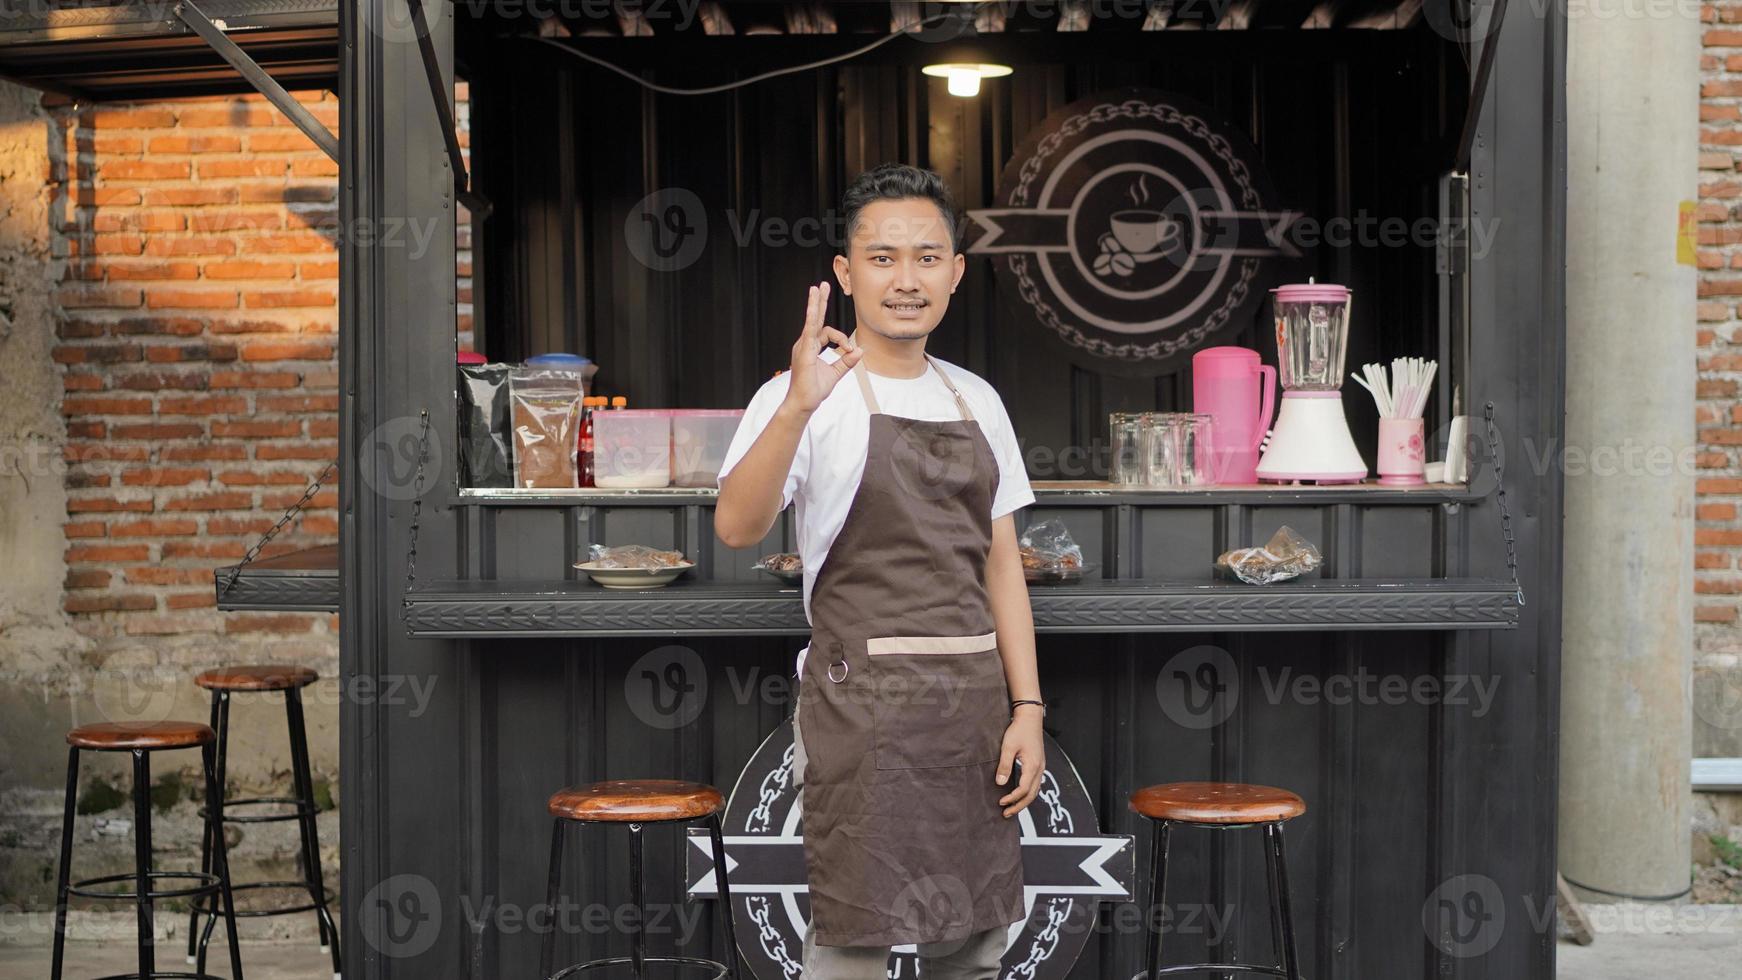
(864, 378)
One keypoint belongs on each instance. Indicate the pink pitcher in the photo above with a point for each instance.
(1238, 390)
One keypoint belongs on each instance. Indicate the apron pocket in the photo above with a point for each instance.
(938, 700)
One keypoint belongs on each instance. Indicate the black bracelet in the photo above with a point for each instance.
(1013, 705)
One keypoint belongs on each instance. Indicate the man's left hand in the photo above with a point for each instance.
(1023, 740)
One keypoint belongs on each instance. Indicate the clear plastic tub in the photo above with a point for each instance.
(632, 447)
(699, 439)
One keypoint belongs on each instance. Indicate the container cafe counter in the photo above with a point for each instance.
(1427, 849)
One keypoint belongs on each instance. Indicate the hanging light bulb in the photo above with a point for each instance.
(964, 77)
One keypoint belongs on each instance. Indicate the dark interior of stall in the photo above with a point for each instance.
(1350, 123)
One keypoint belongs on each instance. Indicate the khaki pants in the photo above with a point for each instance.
(975, 958)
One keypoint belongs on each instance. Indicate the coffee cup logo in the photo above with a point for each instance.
(1133, 226)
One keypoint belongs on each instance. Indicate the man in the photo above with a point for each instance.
(918, 693)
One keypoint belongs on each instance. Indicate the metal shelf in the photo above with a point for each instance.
(301, 581)
(1049, 492)
(501, 608)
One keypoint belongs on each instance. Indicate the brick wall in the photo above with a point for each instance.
(1718, 531)
(197, 336)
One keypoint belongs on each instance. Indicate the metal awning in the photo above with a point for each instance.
(144, 50)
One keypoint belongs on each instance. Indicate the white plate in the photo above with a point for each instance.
(634, 578)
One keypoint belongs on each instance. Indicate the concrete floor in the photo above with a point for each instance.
(1705, 947)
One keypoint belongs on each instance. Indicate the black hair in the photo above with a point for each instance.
(895, 182)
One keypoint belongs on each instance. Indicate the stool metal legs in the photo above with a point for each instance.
(638, 958)
(1281, 916)
(216, 866)
(302, 799)
(66, 862)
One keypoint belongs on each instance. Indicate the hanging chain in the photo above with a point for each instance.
(417, 500)
(272, 532)
(1500, 495)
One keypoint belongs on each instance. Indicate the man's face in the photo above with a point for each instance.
(900, 268)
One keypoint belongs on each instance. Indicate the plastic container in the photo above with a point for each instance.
(699, 439)
(632, 448)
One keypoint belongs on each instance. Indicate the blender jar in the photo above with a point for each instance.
(1312, 334)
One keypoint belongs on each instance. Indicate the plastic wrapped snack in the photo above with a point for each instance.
(1048, 547)
(634, 556)
(1286, 556)
(486, 454)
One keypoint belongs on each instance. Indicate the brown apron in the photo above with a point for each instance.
(903, 704)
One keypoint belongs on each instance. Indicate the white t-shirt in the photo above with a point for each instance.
(831, 454)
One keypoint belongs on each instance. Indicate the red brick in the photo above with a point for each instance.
(82, 480)
(163, 380)
(255, 379)
(107, 553)
(187, 196)
(82, 382)
(94, 405)
(320, 524)
(204, 549)
(1720, 437)
(280, 141)
(192, 600)
(108, 603)
(294, 242)
(164, 476)
(209, 222)
(191, 353)
(268, 623)
(1715, 512)
(161, 325)
(104, 452)
(298, 451)
(86, 298)
(276, 299)
(158, 575)
(254, 478)
(279, 500)
(318, 270)
(85, 529)
(313, 166)
(1717, 161)
(163, 625)
(203, 405)
(222, 500)
(144, 170)
(193, 245)
(108, 197)
(252, 526)
(320, 193)
(256, 430)
(287, 350)
(150, 270)
(250, 270)
(327, 428)
(231, 169)
(229, 116)
(118, 244)
(196, 144)
(1714, 614)
(87, 429)
(1717, 537)
(96, 354)
(119, 118)
(297, 403)
(1712, 559)
(219, 451)
(159, 221)
(89, 578)
(163, 299)
(81, 329)
(1722, 39)
(158, 431)
(154, 527)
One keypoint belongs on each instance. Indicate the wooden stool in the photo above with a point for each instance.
(1222, 806)
(142, 739)
(224, 682)
(638, 802)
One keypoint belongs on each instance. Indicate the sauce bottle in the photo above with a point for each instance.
(584, 451)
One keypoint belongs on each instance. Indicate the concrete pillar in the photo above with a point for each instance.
(1633, 137)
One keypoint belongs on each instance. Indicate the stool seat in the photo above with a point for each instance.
(1217, 803)
(636, 801)
(128, 735)
(257, 677)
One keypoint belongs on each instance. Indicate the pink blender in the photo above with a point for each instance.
(1238, 391)
(1312, 440)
